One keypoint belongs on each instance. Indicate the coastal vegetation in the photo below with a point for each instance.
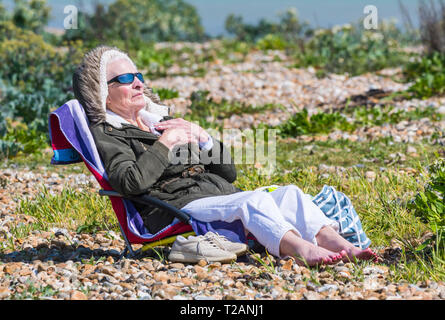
(396, 186)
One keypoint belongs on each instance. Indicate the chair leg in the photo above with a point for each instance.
(128, 251)
(123, 254)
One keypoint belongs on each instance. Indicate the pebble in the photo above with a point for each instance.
(77, 295)
(370, 175)
(327, 287)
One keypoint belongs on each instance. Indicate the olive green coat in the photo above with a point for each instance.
(137, 163)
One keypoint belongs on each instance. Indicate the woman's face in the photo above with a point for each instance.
(124, 99)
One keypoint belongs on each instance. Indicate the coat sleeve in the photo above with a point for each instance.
(127, 174)
(218, 160)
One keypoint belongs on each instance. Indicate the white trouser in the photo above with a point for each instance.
(267, 215)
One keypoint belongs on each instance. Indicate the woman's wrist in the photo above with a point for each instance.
(204, 137)
(206, 145)
(166, 143)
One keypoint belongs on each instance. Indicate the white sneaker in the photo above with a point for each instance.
(193, 249)
(237, 248)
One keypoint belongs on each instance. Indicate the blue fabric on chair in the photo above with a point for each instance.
(65, 156)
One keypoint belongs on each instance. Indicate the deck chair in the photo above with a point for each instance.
(72, 142)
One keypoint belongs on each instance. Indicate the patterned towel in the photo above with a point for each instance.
(337, 206)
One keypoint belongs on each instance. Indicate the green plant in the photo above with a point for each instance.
(90, 227)
(349, 49)
(7, 148)
(272, 42)
(302, 124)
(186, 60)
(34, 291)
(36, 76)
(231, 50)
(381, 114)
(166, 94)
(432, 27)
(243, 32)
(156, 62)
(352, 118)
(161, 255)
(31, 14)
(267, 263)
(3, 13)
(93, 260)
(29, 140)
(429, 204)
(138, 22)
(428, 75)
(289, 28)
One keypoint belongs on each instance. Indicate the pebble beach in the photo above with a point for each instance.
(63, 264)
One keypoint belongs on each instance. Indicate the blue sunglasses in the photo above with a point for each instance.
(127, 78)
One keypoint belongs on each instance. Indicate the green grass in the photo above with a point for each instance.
(301, 123)
(206, 111)
(382, 204)
(41, 162)
(369, 155)
(30, 291)
(379, 204)
(266, 262)
(83, 212)
(166, 94)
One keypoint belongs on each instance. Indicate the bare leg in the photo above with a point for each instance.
(328, 238)
(305, 252)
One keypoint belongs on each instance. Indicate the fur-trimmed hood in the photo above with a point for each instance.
(90, 85)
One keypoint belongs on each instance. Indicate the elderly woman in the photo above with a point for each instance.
(136, 149)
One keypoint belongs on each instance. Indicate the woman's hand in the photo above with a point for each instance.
(177, 136)
(179, 131)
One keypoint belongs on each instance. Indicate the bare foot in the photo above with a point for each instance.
(330, 239)
(306, 253)
(312, 255)
(354, 253)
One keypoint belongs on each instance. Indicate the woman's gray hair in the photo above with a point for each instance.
(90, 83)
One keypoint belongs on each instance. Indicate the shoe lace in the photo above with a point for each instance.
(208, 241)
(215, 237)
